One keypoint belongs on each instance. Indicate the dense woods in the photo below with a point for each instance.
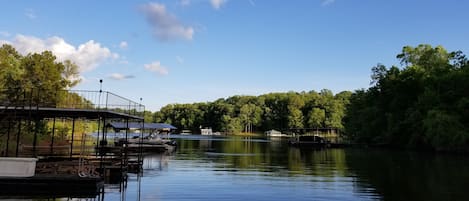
(423, 104)
(279, 111)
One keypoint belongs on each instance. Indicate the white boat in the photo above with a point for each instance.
(17, 167)
(275, 133)
(208, 131)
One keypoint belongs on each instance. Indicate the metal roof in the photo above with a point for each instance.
(44, 112)
(136, 125)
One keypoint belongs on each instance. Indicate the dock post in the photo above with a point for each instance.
(36, 128)
(127, 130)
(8, 138)
(52, 138)
(18, 138)
(97, 135)
(73, 134)
(104, 130)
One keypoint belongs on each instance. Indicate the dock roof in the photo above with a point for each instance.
(47, 112)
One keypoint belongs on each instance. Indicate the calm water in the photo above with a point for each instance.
(205, 168)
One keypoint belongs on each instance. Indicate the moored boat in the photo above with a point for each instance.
(275, 133)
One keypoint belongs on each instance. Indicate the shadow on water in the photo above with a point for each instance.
(403, 175)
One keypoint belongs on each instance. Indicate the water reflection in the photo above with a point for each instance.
(255, 169)
(158, 162)
(409, 175)
(217, 168)
(265, 156)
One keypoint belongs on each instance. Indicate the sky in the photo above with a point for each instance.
(186, 51)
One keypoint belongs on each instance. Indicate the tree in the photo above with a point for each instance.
(249, 116)
(38, 75)
(71, 74)
(420, 105)
(316, 118)
(148, 116)
(43, 77)
(10, 73)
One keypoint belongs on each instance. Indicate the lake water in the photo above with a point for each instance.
(218, 168)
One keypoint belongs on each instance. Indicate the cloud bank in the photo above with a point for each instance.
(87, 55)
(165, 25)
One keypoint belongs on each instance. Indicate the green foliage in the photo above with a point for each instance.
(37, 75)
(279, 111)
(443, 130)
(316, 118)
(70, 73)
(250, 115)
(423, 104)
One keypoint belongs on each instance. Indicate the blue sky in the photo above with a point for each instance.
(185, 51)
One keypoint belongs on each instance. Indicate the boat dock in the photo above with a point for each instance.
(67, 161)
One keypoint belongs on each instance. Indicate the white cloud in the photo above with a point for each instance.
(30, 13)
(327, 2)
(156, 67)
(123, 45)
(118, 76)
(165, 26)
(217, 3)
(87, 55)
(179, 59)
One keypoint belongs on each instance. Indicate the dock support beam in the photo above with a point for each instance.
(36, 128)
(8, 138)
(73, 134)
(52, 138)
(97, 135)
(18, 138)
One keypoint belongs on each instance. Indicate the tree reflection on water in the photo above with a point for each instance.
(241, 168)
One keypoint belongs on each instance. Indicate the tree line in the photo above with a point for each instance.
(422, 104)
(280, 111)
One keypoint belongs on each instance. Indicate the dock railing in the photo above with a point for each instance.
(69, 99)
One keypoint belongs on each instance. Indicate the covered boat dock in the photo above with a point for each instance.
(28, 128)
